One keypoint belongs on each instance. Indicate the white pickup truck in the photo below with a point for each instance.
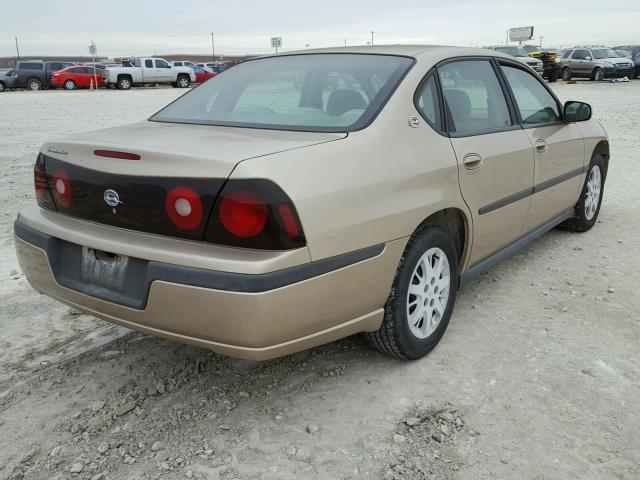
(146, 71)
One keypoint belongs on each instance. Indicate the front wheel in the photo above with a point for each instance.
(421, 301)
(588, 207)
(598, 74)
(2, 87)
(69, 85)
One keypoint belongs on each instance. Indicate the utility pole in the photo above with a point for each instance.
(372, 32)
(17, 49)
(345, 43)
(541, 37)
(213, 48)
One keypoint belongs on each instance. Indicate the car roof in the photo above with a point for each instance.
(434, 52)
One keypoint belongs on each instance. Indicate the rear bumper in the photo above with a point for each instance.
(268, 315)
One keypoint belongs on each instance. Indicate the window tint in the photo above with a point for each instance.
(177, 64)
(55, 66)
(161, 64)
(428, 104)
(567, 54)
(473, 96)
(320, 92)
(534, 102)
(580, 54)
(148, 63)
(76, 70)
(31, 66)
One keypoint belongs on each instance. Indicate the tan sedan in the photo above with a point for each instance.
(297, 199)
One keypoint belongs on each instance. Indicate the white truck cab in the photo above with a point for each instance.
(146, 71)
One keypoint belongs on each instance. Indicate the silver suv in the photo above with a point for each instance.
(521, 55)
(594, 62)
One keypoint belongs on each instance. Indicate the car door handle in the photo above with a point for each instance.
(541, 146)
(472, 161)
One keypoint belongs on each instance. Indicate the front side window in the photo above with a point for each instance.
(318, 92)
(601, 53)
(428, 103)
(473, 96)
(535, 104)
(161, 64)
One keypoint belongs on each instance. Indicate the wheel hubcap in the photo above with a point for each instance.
(592, 197)
(428, 293)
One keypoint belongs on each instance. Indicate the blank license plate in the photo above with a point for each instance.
(104, 269)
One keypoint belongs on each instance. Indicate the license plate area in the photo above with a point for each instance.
(100, 274)
(104, 269)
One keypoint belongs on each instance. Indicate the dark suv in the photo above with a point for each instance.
(36, 75)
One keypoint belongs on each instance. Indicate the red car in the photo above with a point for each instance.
(202, 75)
(77, 77)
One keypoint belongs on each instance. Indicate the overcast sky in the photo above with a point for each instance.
(245, 26)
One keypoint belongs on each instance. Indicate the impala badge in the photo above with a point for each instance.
(112, 199)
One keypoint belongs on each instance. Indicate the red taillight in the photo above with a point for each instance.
(243, 213)
(184, 207)
(61, 188)
(254, 213)
(116, 154)
(289, 220)
(40, 181)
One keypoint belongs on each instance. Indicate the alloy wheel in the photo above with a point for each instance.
(592, 196)
(428, 293)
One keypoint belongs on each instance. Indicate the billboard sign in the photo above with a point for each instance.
(520, 34)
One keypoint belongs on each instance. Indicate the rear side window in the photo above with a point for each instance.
(580, 54)
(428, 104)
(533, 101)
(474, 97)
(56, 66)
(31, 66)
(148, 63)
(567, 54)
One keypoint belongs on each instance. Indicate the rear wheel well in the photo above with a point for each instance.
(454, 222)
(602, 149)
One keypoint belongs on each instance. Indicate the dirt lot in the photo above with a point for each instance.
(538, 376)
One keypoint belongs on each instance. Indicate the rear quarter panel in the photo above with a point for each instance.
(374, 186)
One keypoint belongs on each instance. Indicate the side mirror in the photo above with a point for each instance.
(577, 112)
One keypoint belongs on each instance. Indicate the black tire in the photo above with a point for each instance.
(581, 221)
(566, 74)
(2, 87)
(553, 76)
(597, 75)
(69, 85)
(124, 83)
(34, 84)
(183, 81)
(394, 337)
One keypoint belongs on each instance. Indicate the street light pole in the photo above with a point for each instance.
(17, 49)
(213, 48)
(372, 32)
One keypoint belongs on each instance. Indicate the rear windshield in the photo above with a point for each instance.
(314, 92)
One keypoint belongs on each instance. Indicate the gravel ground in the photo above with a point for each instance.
(538, 376)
